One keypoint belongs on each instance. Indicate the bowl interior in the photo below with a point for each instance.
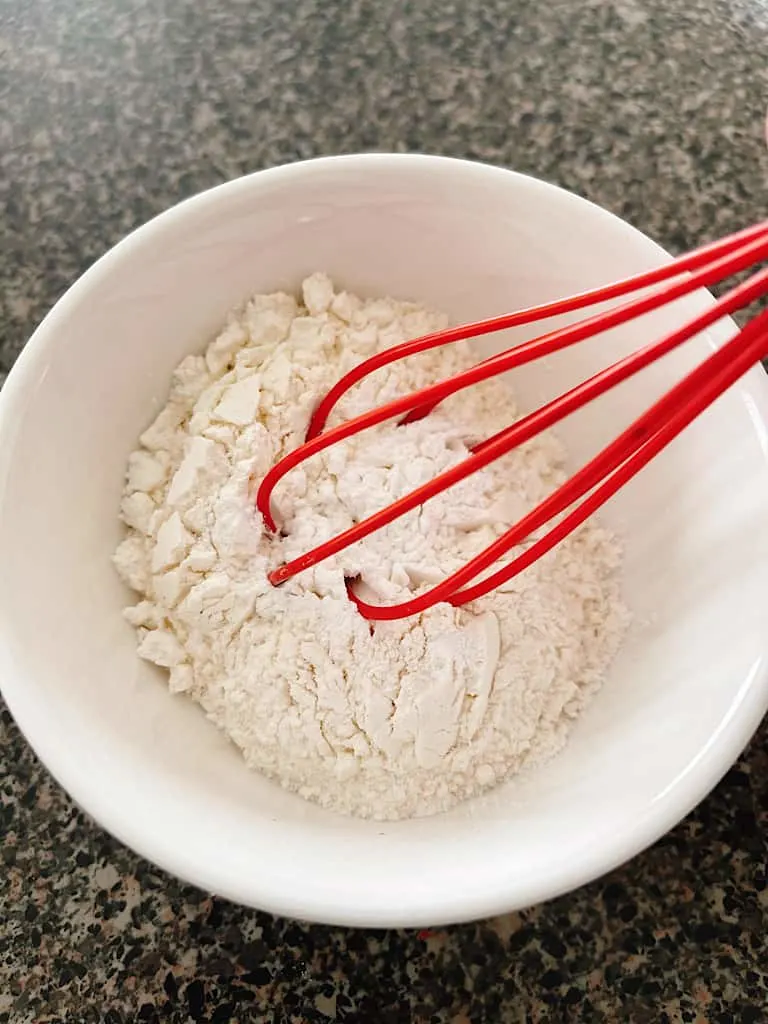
(683, 698)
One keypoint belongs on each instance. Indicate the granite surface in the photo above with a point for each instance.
(111, 110)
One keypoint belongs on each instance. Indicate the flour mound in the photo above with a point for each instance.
(407, 718)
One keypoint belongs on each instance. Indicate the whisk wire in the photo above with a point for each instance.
(606, 472)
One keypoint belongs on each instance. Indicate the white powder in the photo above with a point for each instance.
(405, 718)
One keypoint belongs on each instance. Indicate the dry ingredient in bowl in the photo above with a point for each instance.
(405, 718)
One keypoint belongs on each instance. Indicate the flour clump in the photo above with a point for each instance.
(405, 718)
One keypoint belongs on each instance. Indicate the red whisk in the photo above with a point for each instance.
(600, 478)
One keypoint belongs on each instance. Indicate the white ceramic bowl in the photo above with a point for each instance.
(682, 700)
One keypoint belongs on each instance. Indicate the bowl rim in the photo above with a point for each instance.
(704, 772)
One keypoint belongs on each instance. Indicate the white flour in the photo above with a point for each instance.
(412, 716)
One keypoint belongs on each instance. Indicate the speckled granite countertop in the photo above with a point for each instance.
(111, 110)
